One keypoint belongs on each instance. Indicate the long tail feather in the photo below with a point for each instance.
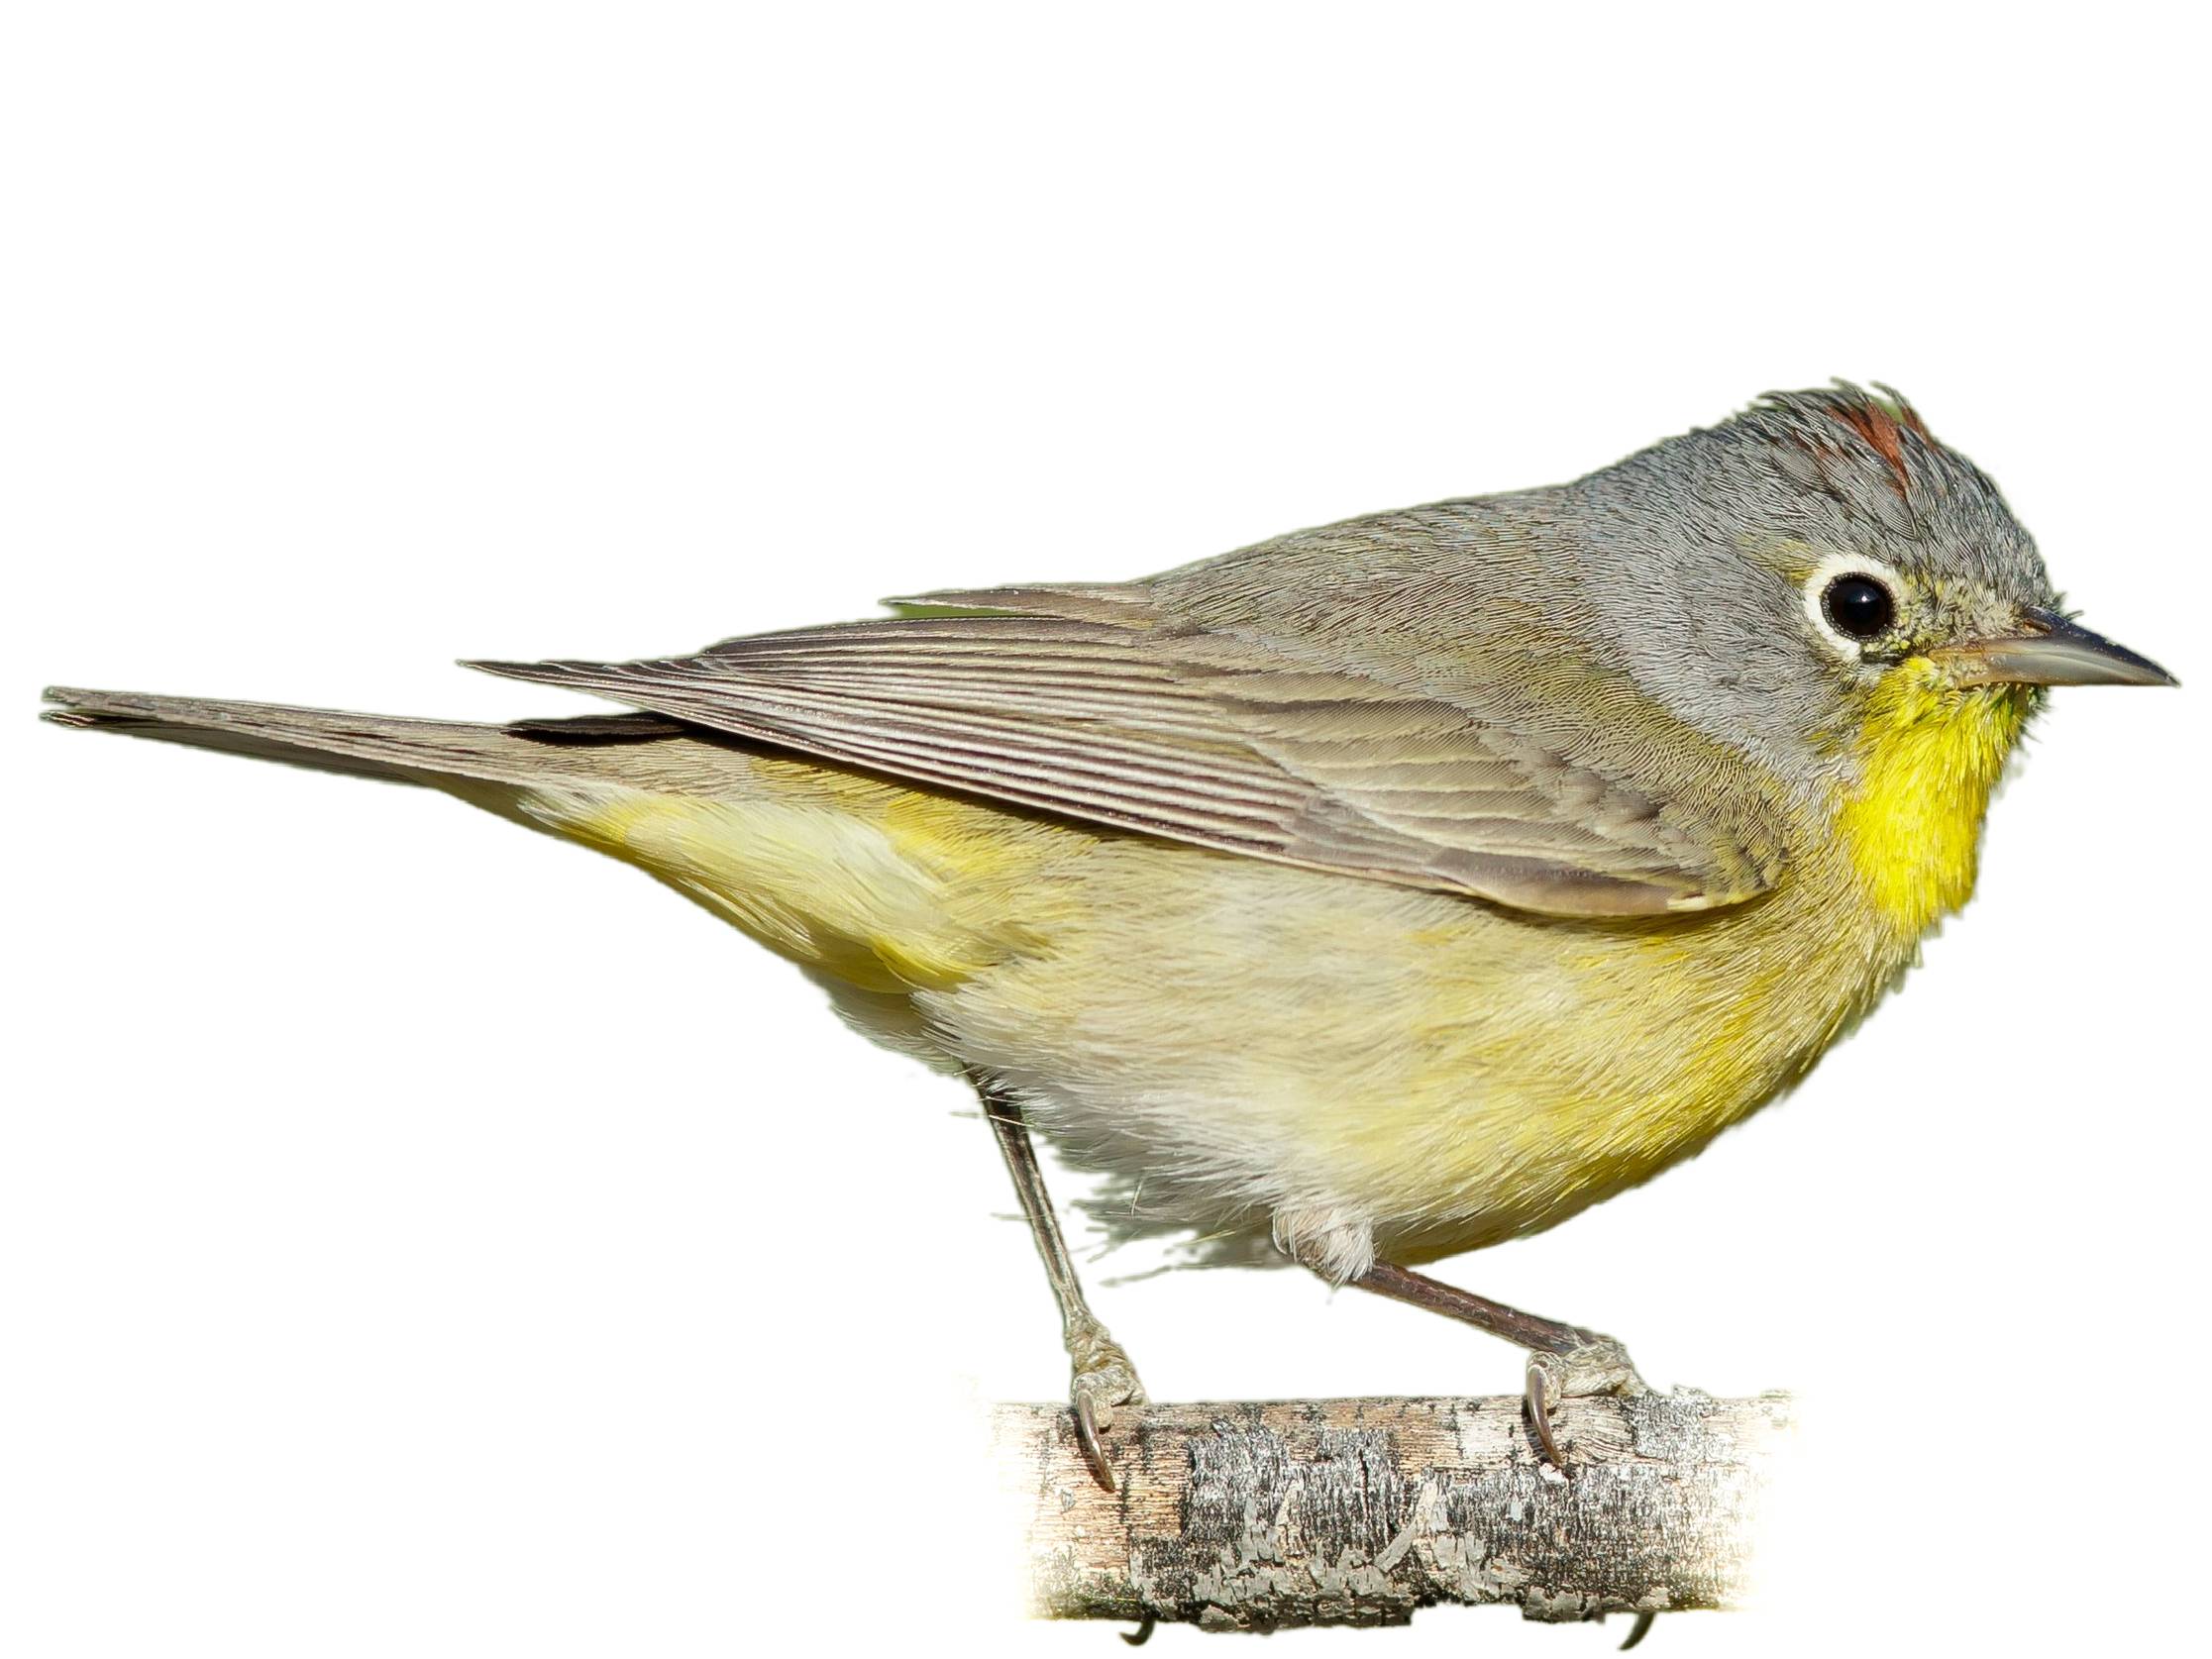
(379, 746)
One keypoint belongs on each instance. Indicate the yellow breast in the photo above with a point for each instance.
(1610, 1053)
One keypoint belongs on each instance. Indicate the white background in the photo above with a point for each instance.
(423, 1238)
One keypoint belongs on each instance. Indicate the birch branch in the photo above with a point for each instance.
(1359, 1512)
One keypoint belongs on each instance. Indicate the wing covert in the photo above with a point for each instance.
(1092, 704)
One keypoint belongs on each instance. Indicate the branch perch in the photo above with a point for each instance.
(1359, 1512)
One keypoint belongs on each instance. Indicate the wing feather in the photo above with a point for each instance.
(1090, 703)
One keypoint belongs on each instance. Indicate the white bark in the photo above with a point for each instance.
(1359, 1512)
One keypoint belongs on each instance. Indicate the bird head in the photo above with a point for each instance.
(1828, 562)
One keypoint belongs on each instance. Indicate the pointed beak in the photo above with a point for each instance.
(2048, 650)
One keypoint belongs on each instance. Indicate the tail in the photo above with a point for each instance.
(874, 888)
(383, 746)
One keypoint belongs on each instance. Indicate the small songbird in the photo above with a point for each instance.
(1370, 895)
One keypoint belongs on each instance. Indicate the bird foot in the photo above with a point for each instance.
(1598, 1366)
(1103, 1379)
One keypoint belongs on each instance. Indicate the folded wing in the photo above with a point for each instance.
(1095, 704)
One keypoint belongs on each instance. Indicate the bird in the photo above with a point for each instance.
(1361, 898)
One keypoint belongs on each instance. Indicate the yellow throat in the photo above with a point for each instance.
(1930, 756)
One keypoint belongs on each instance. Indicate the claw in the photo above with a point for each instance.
(1104, 1380)
(1087, 1435)
(1597, 1365)
(1540, 1388)
(1642, 1629)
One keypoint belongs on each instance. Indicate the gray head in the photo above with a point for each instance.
(1809, 549)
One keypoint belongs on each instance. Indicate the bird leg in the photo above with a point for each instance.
(1104, 1377)
(1565, 1362)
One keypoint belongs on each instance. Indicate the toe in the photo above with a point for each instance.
(1539, 1390)
(1086, 1436)
(1103, 1379)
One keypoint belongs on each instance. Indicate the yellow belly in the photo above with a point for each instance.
(1234, 1041)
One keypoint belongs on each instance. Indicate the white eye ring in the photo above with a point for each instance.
(1816, 590)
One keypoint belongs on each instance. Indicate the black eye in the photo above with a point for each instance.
(1858, 607)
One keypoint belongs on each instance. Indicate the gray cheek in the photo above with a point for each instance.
(1747, 674)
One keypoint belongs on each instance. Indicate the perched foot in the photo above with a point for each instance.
(1103, 1379)
(1599, 1365)
(1565, 1362)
